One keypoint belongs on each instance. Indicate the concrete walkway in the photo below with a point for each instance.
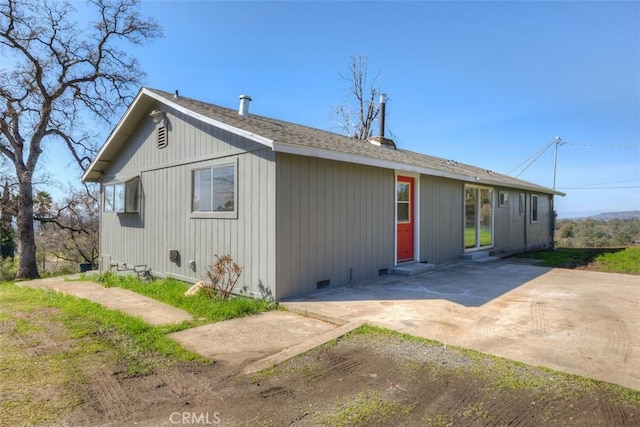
(579, 322)
(250, 343)
(123, 300)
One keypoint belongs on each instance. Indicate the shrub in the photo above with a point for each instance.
(223, 276)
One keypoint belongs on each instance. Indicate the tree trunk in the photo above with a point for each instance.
(27, 266)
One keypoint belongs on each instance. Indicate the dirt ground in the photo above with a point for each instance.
(372, 378)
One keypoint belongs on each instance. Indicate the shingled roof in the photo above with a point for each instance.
(302, 140)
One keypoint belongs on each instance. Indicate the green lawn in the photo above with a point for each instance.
(170, 291)
(613, 260)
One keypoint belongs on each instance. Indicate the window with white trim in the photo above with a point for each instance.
(122, 197)
(214, 190)
(534, 208)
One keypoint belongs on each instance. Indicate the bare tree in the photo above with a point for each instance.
(359, 111)
(60, 70)
(70, 229)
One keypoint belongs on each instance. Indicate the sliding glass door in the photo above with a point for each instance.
(478, 217)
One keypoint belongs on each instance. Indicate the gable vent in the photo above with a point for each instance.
(161, 133)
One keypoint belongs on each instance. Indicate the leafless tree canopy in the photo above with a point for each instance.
(58, 70)
(359, 111)
(69, 229)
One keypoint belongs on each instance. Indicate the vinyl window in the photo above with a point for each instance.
(503, 199)
(214, 191)
(122, 197)
(534, 208)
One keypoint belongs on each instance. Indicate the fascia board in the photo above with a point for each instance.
(200, 117)
(364, 160)
(98, 158)
(91, 175)
(398, 166)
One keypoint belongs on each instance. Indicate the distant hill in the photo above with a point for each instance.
(605, 216)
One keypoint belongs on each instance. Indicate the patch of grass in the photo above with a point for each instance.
(52, 344)
(364, 409)
(170, 291)
(626, 261)
(614, 260)
(136, 341)
(504, 375)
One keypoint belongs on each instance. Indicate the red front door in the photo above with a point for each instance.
(404, 217)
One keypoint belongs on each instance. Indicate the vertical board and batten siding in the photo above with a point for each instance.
(441, 219)
(165, 222)
(509, 232)
(515, 232)
(539, 232)
(334, 222)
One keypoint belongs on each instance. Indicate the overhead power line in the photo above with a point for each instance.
(603, 145)
(597, 188)
(531, 159)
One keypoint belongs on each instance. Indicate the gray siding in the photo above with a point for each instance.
(441, 216)
(538, 233)
(509, 225)
(334, 222)
(165, 221)
(516, 232)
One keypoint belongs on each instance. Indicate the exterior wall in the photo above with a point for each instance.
(165, 220)
(538, 233)
(515, 231)
(442, 219)
(335, 222)
(509, 224)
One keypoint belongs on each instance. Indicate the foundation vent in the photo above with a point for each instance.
(323, 284)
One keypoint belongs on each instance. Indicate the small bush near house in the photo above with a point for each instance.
(201, 306)
(223, 276)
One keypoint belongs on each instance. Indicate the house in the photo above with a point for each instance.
(299, 208)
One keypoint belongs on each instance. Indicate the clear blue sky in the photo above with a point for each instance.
(485, 83)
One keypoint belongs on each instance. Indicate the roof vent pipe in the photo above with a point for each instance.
(383, 101)
(244, 105)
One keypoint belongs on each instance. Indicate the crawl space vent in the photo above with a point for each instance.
(161, 132)
(323, 284)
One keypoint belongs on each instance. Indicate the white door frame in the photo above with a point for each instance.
(416, 214)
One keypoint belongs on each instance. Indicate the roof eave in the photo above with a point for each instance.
(283, 147)
(94, 174)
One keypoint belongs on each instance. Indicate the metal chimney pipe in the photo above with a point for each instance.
(244, 105)
(383, 100)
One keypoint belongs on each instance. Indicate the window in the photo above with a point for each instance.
(503, 199)
(521, 202)
(534, 208)
(403, 190)
(214, 190)
(123, 197)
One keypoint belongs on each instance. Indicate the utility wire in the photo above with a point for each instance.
(609, 183)
(603, 145)
(596, 188)
(539, 153)
(535, 157)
